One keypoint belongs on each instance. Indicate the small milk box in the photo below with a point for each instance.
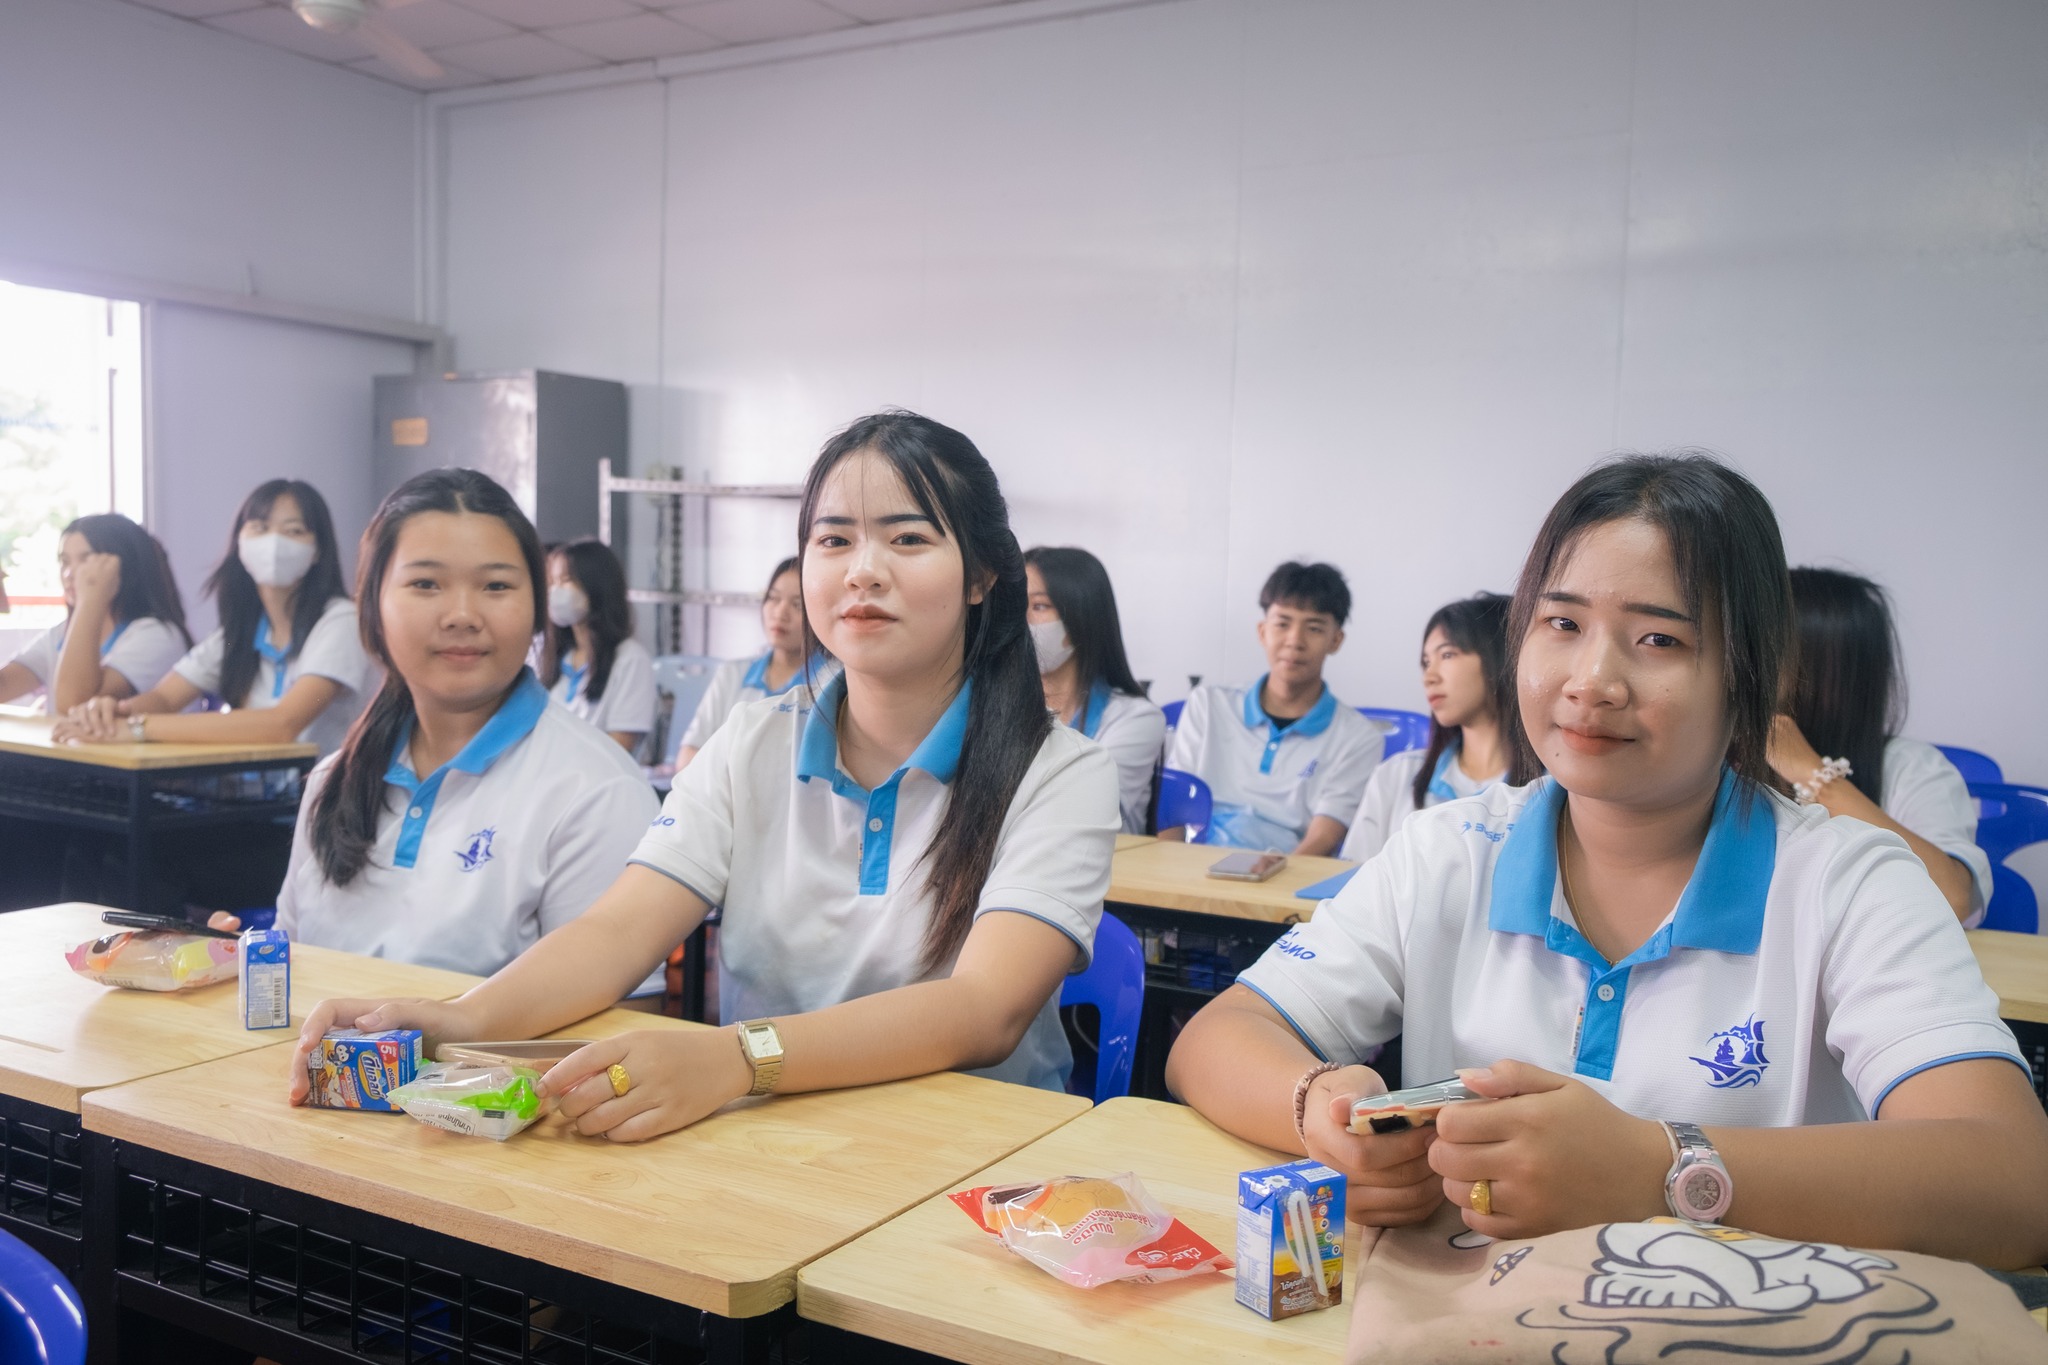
(266, 979)
(1290, 1239)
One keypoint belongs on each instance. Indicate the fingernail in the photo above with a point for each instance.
(1475, 1073)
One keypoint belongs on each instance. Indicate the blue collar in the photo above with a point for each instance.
(1722, 908)
(757, 674)
(575, 676)
(108, 647)
(1090, 719)
(1439, 785)
(277, 657)
(514, 721)
(1314, 723)
(937, 754)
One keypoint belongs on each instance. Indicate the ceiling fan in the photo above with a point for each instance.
(360, 18)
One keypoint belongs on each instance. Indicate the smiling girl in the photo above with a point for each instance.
(908, 868)
(1681, 991)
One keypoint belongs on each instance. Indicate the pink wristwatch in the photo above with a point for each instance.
(1698, 1187)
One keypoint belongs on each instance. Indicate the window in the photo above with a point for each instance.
(70, 434)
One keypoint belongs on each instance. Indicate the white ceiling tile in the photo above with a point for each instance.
(438, 23)
(281, 28)
(548, 13)
(880, 11)
(761, 21)
(450, 79)
(200, 9)
(516, 57)
(640, 37)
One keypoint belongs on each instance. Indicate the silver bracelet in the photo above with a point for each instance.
(1809, 791)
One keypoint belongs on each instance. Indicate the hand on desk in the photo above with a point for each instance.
(675, 1079)
(439, 1020)
(1389, 1173)
(98, 721)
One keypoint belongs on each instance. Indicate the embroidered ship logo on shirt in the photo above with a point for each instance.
(479, 851)
(1737, 1058)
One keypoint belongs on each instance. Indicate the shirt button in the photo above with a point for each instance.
(416, 812)
(1606, 993)
(876, 824)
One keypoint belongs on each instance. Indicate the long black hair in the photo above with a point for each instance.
(148, 587)
(1730, 562)
(241, 606)
(1080, 591)
(1848, 689)
(603, 579)
(1478, 625)
(1006, 717)
(345, 813)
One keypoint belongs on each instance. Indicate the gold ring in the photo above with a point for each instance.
(1482, 1197)
(621, 1082)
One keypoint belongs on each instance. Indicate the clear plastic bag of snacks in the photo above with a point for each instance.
(1090, 1230)
(480, 1101)
(155, 960)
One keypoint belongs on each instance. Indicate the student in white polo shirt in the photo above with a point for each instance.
(1285, 761)
(1847, 699)
(1659, 969)
(124, 624)
(780, 671)
(1466, 685)
(1087, 680)
(589, 660)
(287, 658)
(467, 815)
(907, 869)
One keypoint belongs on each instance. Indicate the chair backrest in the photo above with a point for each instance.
(685, 677)
(1172, 710)
(42, 1321)
(1405, 729)
(1115, 985)
(2009, 817)
(1185, 799)
(1974, 767)
(2014, 907)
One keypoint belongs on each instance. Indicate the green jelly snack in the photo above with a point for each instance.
(517, 1098)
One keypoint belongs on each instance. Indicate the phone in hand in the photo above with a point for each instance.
(174, 924)
(1247, 867)
(1398, 1110)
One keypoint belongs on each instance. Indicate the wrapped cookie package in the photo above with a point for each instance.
(478, 1101)
(1090, 1230)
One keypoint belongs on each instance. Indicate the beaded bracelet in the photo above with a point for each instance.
(1809, 791)
(1301, 1097)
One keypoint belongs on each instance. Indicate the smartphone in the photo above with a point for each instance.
(1411, 1108)
(1247, 867)
(537, 1052)
(135, 919)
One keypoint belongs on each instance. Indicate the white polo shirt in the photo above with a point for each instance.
(1268, 783)
(1808, 967)
(628, 702)
(739, 681)
(1390, 797)
(142, 651)
(333, 650)
(1133, 732)
(823, 882)
(512, 838)
(1924, 792)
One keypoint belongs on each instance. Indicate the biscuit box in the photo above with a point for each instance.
(266, 992)
(1290, 1239)
(356, 1070)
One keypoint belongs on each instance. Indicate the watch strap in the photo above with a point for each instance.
(765, 1060)
(1697, 1188)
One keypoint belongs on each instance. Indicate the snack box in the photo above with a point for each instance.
(1288, 1215)
(266, 993)
(356, 1070)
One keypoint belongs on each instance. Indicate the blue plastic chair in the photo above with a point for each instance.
(2008, 819)
(1974, 767)
(1405, 729)
(1185, 799)
(1172, 710)
(1115, 985)
(686, 678)
(42, 1321)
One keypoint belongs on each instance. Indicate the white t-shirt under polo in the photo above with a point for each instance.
(1924, 792)
(628, 703)
(1390, 797)
(1808, 968)
(739, 681)
(1268, 783)
(141, 651)
(823, 882)
(509, 840)
(1133, 732)
(333, 650)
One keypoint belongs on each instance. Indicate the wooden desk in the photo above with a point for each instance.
(1166, 876)
(30, 736)
(931, 1280)
(2016, 966)
(718, 1216)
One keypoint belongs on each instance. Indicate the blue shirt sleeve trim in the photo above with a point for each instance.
(639, 862)
(1299, 1031)
(1944, 1061)
(1085, 951)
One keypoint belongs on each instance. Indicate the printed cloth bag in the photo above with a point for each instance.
(1667, 1292)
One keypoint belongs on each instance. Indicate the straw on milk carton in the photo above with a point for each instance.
(1290, 1239)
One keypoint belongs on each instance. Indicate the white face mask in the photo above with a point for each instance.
(1049, 638)
(567, 606)
(276, 561)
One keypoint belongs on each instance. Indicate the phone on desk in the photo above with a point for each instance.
(1247, 867)
(1402, 1109)
(174, 924)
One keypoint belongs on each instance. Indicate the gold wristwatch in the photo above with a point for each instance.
(762, 1047)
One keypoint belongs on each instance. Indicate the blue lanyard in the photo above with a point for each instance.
(575, 676)
(276, 656)
(1438, 786)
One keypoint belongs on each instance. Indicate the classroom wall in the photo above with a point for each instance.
(1215, 282)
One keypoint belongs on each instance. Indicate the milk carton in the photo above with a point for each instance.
(1290, 1239)
(266, 993)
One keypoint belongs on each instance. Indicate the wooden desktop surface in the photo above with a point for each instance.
(30, 735)
(933, 1281)
(2016, 966)
(718, 1216)
(1169, 876)
(62, 1036)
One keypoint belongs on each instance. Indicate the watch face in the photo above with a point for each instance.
(1702, 1193)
